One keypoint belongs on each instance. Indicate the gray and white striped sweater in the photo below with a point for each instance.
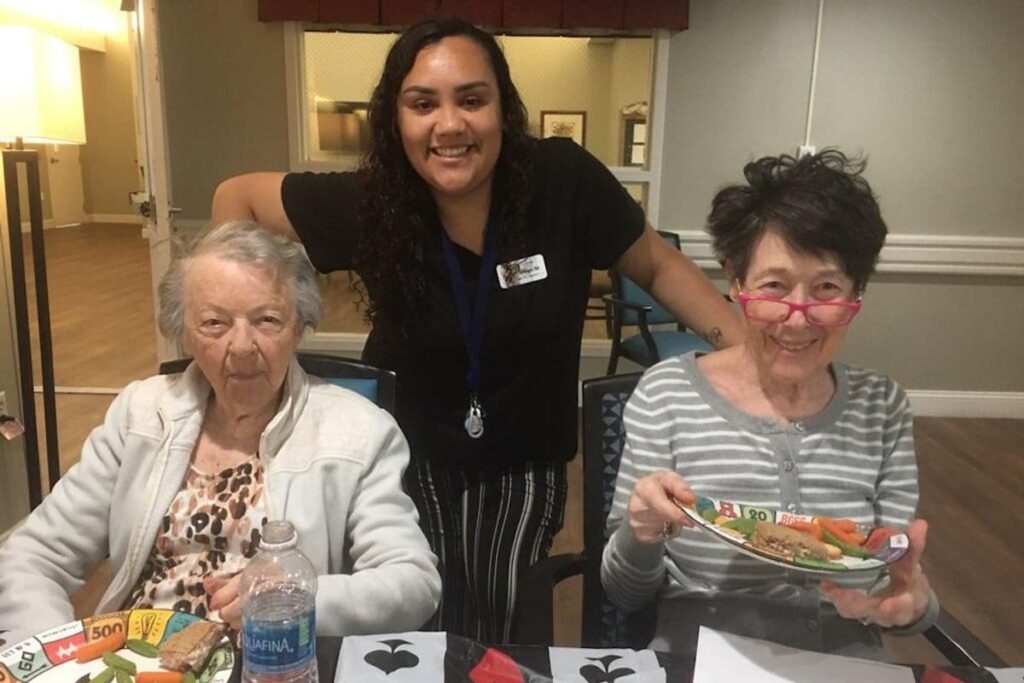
(854, 459)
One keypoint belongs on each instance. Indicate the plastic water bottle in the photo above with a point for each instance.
(278, 592)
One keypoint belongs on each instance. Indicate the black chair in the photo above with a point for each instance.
(631, 306)
(374, 383)
(604, 625)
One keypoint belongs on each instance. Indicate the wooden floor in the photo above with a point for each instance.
(971, 470)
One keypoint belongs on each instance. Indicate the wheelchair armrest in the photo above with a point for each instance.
(533, 624)
(959, 645)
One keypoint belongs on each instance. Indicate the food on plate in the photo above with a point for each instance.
(142, 648)
(812, 529)
(105, 676)
(99, 647)
(159, 677)
(118, 663)
(786, 542)
(189, 648)
(843, 530)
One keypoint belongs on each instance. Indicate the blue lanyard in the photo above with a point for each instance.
(472, 323)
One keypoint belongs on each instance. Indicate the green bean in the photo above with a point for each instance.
(119, 662)
(188, 677)
(142, 647)
(122, 676)
(104, 676)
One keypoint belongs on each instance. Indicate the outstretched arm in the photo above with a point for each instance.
(253, 196)
(678, 284)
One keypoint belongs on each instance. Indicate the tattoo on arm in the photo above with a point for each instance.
(713, 337)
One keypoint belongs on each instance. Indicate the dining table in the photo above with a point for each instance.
(468, 660)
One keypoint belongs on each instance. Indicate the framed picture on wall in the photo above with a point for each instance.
(564, 124)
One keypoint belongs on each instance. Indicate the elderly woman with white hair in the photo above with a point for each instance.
(178, 481)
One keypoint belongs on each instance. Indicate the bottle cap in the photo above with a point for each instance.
(279, 535)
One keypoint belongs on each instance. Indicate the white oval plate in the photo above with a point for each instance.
(895, 547)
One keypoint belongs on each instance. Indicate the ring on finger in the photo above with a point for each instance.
(668, 530)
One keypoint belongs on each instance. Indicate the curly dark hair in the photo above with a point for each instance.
(397, 211)
(820, 204)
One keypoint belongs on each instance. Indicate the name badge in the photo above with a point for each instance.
(522, 271)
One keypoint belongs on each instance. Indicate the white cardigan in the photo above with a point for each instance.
(333, 462)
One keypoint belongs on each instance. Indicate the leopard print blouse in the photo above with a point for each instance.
(212, 528)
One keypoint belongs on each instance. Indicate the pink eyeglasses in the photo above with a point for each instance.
(824, 313)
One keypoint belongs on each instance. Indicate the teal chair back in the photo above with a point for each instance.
(626, 289)
(374, 383)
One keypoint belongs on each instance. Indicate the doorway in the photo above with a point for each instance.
(98, 270)
(67, 196)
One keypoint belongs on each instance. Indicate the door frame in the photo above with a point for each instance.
(154, 159)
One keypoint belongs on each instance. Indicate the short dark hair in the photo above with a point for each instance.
(820, 204)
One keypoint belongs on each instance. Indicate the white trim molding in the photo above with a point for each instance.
(920, 254)
(48, 224)
(1004, 404)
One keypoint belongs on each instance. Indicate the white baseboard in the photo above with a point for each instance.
(125, 218)
(48, 224)
(929, 403)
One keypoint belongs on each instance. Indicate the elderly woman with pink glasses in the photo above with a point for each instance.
(776, 423)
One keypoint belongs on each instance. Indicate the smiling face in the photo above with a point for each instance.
(449, 117)
(794, 351)
(242, 330)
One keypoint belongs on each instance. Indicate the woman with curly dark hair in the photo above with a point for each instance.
(475, 245)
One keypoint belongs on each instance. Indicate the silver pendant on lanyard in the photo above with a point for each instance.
(474, 422)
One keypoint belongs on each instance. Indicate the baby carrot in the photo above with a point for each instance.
(847, 537)
(97, 648)
(159, 677)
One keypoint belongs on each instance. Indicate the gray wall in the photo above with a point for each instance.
(224, 96)
(931, 89)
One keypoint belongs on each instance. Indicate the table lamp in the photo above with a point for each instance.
(40, 101)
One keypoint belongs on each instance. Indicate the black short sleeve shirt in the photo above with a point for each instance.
(583, 219)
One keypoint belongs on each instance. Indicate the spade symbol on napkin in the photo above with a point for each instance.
(606, 674)
(391, 660)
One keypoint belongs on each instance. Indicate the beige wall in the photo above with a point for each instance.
(931, 89)
(599, 77)
(631, 64)
(224, 96)
(109, 158)
(932, 92)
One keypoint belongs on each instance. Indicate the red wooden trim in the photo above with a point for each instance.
(592, 13)
(479, 12)
(348, 11)
(671, 14)
(403, 12)
(531, 13)
(286, 10)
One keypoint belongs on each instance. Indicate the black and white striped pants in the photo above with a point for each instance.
(486, 528)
